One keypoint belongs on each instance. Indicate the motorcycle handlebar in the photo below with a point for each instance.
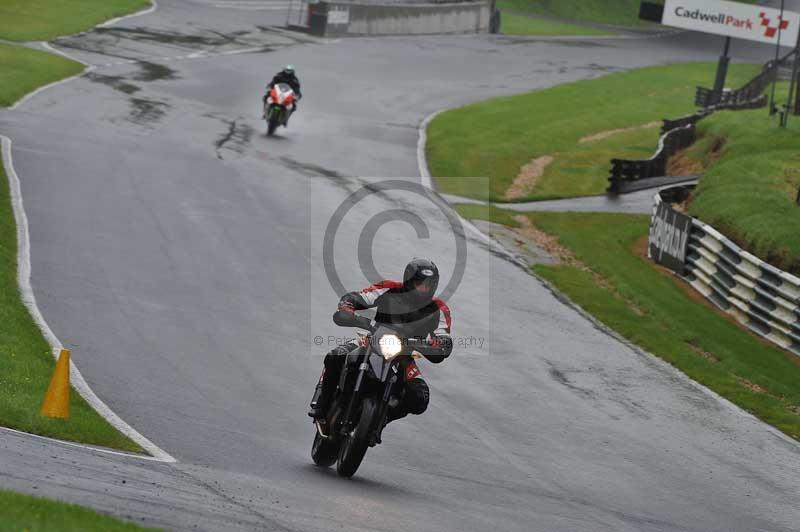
(347, 319)
(428, 350)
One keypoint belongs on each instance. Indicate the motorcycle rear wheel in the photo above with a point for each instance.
(355, 444)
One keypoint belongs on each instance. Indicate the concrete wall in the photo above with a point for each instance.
(403, 19)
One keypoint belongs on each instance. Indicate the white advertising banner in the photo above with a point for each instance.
(338, 15)
(733, 19)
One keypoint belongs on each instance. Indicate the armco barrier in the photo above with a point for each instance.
(758, 295)
(335, 19)
(755, 87)
(626, 170)
(675, 135)
(668, 125)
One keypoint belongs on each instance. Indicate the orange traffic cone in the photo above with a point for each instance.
(56, 400)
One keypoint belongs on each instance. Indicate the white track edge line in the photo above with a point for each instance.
(145, 11)
(49, 48)
(103, 450)
(28, 298)
(427, 182)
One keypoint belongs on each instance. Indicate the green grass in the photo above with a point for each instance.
(495, 138)
(615, 12)
(653, 310)
(749, 192)
(26, 363)
(490, 213)
(23, 70)
(41, 20)
(34, 514)
(512, 24)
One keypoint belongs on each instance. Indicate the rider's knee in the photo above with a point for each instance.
(417, 396)
(335, 357)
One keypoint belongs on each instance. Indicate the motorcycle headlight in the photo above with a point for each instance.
(390, 345)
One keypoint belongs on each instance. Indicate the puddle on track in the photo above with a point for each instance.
(117, 83)
(154, 72)
(146, 112)
(169, 37)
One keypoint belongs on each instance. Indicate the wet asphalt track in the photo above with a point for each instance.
(178, 252)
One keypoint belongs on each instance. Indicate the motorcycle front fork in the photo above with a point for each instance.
(348, 423)
(355, 398)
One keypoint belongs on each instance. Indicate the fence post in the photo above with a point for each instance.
(722, 69)
(772, 108)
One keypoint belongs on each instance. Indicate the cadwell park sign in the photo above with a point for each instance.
(733, 19)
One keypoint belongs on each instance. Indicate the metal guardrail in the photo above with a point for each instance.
(675, 135)
(669, 144)
(763, 298)
(693, 119)
(705, 97)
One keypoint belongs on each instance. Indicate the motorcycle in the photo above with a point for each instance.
(279, 104)
(370, 383)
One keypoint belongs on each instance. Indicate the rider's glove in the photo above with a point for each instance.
(346, 306)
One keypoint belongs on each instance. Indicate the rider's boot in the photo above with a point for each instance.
(395, 412)
(317, 410)
(321, 399)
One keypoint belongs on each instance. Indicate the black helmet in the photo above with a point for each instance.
(421, 277)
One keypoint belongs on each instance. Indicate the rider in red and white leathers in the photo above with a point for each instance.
(410, 303)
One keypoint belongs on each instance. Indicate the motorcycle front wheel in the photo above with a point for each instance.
(272, 124)
(354, 447)
(274, 118)
(324, 451)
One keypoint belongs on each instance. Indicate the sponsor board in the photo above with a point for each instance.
(338, 15)
(669, 238)
(733, 19)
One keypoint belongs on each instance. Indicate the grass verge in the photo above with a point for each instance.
(513, 24)
(26, 363)
(497, 137)
(41, 20)
(618, 12)
(25, 360)
(34, 514)
(750, 185)
(657, 311)
(23, 70)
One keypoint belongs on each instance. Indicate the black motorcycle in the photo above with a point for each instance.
(370, 383)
